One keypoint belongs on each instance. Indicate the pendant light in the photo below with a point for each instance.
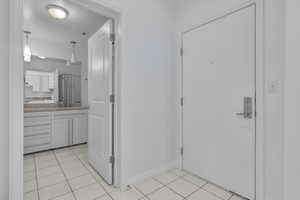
(73, 55)
(27, 49)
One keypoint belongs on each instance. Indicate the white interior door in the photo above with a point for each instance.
(218, 73)
(100, 112)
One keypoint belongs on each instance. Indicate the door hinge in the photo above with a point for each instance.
(112, 159)
(181, 151)
(181, 51)
(112, 37)
(112, 98)
(181, 101)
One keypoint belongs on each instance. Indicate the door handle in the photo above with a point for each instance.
(248, 108)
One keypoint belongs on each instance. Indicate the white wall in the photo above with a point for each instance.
(292, 99)
(148, 100)
(191, 13)
(273, 122)
(4, 38)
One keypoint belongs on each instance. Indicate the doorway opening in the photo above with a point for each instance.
(70, 105)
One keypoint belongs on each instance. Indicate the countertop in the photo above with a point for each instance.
(52, 107)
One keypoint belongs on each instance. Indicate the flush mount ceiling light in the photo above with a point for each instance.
(57, 12)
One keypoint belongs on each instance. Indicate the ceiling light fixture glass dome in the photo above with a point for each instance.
(57, 12)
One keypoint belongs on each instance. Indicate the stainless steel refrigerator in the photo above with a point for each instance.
(69, 86)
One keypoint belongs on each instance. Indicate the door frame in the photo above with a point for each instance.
(259, 86)
(16, 89)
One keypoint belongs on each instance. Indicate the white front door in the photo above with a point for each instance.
(218, 75)
(100, 79)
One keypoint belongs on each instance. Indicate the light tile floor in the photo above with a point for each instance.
(65, 174)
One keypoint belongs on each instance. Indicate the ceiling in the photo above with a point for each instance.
(43, 27)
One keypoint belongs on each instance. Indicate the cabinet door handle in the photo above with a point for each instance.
(69, 132)
(72, 138)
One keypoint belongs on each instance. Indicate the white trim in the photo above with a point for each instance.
(260, 77)
(153, 172)
(16, 90)
(16, 100)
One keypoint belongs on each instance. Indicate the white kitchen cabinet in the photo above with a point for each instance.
(80, 128)
(70, 127)
(49, 130)
(61, 132)
(37, 131)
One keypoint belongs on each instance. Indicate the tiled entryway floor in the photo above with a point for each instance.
(65, 174)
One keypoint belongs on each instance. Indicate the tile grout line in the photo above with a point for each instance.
(200, 188)
(106, 193)
(178, 178)
(67, 181)
(160, 188)
(50, 175)
(166, 186)
(36, 177)
(62, 171)
(182, 177)
(53, 173)
(207, 183)
(144, 195)
(163, 185)
(216, 194)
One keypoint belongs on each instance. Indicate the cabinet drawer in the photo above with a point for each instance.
(44, 131)
(36, 124)
(69, 114)
(37, 128)
(37, 141)
(36, 117)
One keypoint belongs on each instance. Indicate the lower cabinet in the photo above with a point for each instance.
(47, 130)
(37, 131)
(79, 129)
(69, 128)
(61, 133)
